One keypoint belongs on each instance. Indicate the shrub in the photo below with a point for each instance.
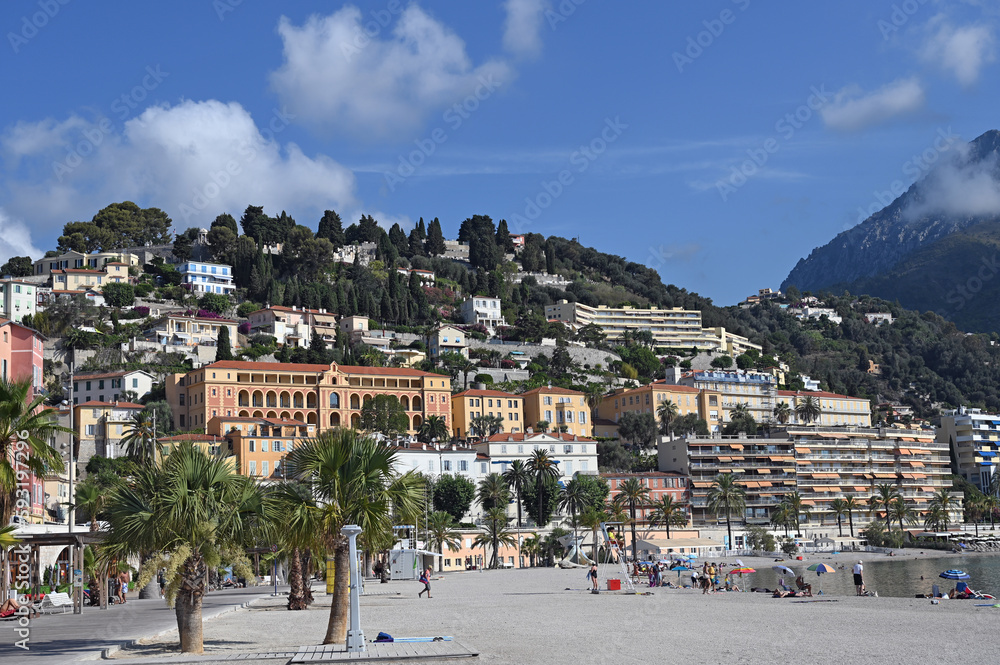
(484, 378)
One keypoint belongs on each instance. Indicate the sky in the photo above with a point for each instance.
(717, 142)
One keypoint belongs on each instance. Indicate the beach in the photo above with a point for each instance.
(547, 615)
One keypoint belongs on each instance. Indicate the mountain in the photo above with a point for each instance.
(895, 254)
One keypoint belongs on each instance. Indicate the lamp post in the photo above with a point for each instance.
(355, 638)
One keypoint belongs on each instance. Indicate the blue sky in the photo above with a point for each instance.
(717, 141)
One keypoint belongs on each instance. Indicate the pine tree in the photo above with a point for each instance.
(416, 245)
(332, 228)
(421, 229)
(398, 239)
(434, 246)
(223, 349)
(550, 258)
(504, 241)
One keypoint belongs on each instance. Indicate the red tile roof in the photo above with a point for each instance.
(105, 375)
(645, 474)
(308, 367)
(190, 437)
(814, 393)
(553, 390)
(505, 437)
(484, 393)
(121, 405)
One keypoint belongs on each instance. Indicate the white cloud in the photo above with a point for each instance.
(194, 160)
(338, 78)
(522, 28)
(853, 110)
(963, 50)
(959, 187)
(15, 239)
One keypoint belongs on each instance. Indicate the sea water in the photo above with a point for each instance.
(897, 576)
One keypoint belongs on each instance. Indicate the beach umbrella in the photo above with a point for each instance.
(783, 570)
(679, 570)
(742, 569)
(821, 568)
(955, 575)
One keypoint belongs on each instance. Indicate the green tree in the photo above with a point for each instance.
(542, 467)
(351, 475)
(225, 220)
(517, 475)
(942, 499)
(117, 226)
(17, 266)
(222, 242)
(591, 518)
(140, 438)
(725, 496)
(441, 533)
(574, 498)
(453, 494)
(783, 412)
(838, 507)
(434, 427)
(851, 504)
(666, 412)
(668, 512)
(119, 294)
(903, 513)
(216, 303)
(722, 362)
(332, 228)
(638, 428)
(183, 247)
(198, 513)
(493, 492)
(808, 409)
(495, 534)
(884, 495)
(434, 245)
(224, 348)
(796, 508)
(542, 497)
(299, 516)
(632, 494)
(384, 414)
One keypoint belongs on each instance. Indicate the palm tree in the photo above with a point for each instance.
(796, 508)
(783, 412)
(904, 514)
(492, 492)
(19, 414)
(90, 498)
(495, 535)
(435, 427)
(632, 493)
(808, 409)
(934, 518)
(574, 498)
(594, 395)
(591, 518)
(485, 425)
(7, 537)
(884, 495)
(851, 504)
(517, 476)
(441, 533)
(725, 496)
(542, 467)
(300, 520)
(740, 412)
(991, 503)
(351, 476)
(196, 511)
(781, 517)
(839, 508)
(139, 438)
(667, 512)
(532, 548)
(665, 413)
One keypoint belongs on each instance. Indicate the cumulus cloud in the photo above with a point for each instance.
(853, 110)
(194, 160)
(959, 187)
(522, 28)
(340, 78)
(15, 239)
(964, 50)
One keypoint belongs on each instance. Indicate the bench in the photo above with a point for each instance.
(55, 601)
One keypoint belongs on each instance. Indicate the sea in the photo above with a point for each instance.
(897, 576)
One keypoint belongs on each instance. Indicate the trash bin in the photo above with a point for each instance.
(799, 558)
(614, 585)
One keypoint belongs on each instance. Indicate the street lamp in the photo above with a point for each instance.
(355, 638)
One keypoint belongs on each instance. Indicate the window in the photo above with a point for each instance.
(430, 465)
(88, 382)
(463, 465)
(334, 401)
(520, 448)
(583, 417)
(552, 448)
(548, 416)
(482, 467)
(547, 400)
(181, 398)
(568, 449)
(263, 446)
(569, 416)
(447, 465)
(253, 467)
(490, 403)
(253, 446)
(503, 449)
(263, 468)
(91, 430)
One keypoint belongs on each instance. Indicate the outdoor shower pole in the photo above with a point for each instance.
(355, 638)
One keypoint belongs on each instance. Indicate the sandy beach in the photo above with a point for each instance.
(547, 615)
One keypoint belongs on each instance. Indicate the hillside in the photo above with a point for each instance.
(954, 197)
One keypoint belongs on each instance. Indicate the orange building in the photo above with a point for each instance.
(706, 404)
(559, 407)
(259, 445)
(321, 395)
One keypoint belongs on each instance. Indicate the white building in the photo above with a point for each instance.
(573, 454)
(878, 318)
(483, 310)
(819, 312)
(445, 339)
(17, 299)
(294, 326)
(974, 439)
(207, 277)
(108, 386)
(433, 460)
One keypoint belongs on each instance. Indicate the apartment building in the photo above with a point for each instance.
(454, 459)
(259, 445)
(672, 328)
(109, 386)
(294, 326)
(321, 395)
(835, 410)
(820, 463)
(759, 391)
(191, 330)
(660, 485)
(573, 454)
(21, 353)
(447, 339)
(211, 444)
(78, 260)
(203, 277)
(101, 426)
(706, 404)
(17, 299)
(484, 311)
(561, 408)
(72, 280)
(974, 440)
(467, 405)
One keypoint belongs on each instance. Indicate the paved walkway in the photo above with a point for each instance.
(57, 639)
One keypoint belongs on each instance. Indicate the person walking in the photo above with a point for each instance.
(593, 578)
(859, 580)
(425, 578)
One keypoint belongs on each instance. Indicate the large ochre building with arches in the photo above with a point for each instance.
(322, 395)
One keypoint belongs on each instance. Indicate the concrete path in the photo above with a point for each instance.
(57, 639)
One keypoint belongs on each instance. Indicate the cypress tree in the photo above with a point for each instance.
(434, 246)
(332, 228)
(504, 241)
(223, 350)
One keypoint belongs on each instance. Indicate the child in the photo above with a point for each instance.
(425, 579)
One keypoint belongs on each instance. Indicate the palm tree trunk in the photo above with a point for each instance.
(576, 543)
(635, 555)
(187, 608)
(593, 547)
(840, 526)
(496, 553)
(152, 588)
(729, 530)
(307, 577)
(850, 520)
(297, 587)
(336, 630)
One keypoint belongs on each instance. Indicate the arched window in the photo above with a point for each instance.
(297, 400)
(355, 403)
(405, 401)
(244, 398)
(272, 398)
(286, 400)
(334, 401)
(258, 398)
(417, 404)
(334, 420)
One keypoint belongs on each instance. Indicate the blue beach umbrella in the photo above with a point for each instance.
(680, 569)
(955, 575)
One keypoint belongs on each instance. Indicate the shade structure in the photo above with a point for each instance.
(955, 575)
(741, 571)
(783, 570)
(821, 568)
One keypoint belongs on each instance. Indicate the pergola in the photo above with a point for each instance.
(75, 540)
